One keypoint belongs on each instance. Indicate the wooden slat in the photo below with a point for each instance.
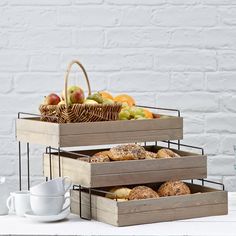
(147, 177)
(103, 216)
(69, 167)
(37, 138)
(184, 201)
(120, 137)
(172, 214)
(97, 202)
(121, 126)
(37, 126)
(148, 165)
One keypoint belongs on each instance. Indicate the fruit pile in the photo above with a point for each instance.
(75, 95)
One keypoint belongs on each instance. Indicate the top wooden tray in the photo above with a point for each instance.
(97, 133)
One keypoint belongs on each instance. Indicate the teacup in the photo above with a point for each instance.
(54, 187)
(48, 205)
(19, 202)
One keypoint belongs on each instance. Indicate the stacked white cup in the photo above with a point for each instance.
(48, 198)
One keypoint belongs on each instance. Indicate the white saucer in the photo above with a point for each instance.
(51, 218)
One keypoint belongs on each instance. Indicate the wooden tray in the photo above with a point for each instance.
(188, 166)
(95, 133)
(210, 202)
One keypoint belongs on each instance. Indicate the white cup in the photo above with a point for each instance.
(19, 202)
(47, 205)
(54, 187)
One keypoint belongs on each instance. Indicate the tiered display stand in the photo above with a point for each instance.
(92, 179)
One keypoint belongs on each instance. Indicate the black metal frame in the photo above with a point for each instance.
(80, 188)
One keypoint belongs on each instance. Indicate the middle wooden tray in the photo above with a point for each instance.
(188, 166)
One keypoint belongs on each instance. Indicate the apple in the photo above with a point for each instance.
(88, 101)
(52, 99)
(75, 94)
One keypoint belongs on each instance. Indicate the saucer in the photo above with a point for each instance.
(50, 218)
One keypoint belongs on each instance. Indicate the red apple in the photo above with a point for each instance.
(52, 99)
(75, 94)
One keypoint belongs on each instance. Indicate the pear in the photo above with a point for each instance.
(96, 97)
(124, 115)
(107, 101)
(88, 101)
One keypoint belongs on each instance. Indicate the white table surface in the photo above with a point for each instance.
(217, 225)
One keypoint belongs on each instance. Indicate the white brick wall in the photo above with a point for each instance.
(173, 53)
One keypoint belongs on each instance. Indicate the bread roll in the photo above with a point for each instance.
(166, 153)
(150, 155)
(119, 193)
(103, 154)
(142, 192)
(173, 188)
(127, 152)
(95, 159)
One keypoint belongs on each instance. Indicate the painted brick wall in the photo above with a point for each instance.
(173, 53)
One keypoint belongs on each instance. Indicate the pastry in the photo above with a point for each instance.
(95, 159)
(173, 188)
(127, 152)
(166, 153)
(150, 155)
(119, 193)
(142, 192)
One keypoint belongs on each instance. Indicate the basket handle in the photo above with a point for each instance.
(67, 76)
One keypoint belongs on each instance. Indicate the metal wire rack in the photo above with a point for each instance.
(59, 151)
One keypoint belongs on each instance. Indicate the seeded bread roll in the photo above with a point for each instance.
(173, 188)
(166, 153)
(119, 193)
(142, 192)
(127, 152)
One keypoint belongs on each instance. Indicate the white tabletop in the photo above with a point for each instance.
(218, 225)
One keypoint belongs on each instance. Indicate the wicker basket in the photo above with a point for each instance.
(66, 113)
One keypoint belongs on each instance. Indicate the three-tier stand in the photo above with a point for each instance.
(92, 180)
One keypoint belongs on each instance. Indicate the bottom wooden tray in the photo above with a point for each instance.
(209, 202)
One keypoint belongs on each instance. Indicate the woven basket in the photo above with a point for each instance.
(66, 113)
